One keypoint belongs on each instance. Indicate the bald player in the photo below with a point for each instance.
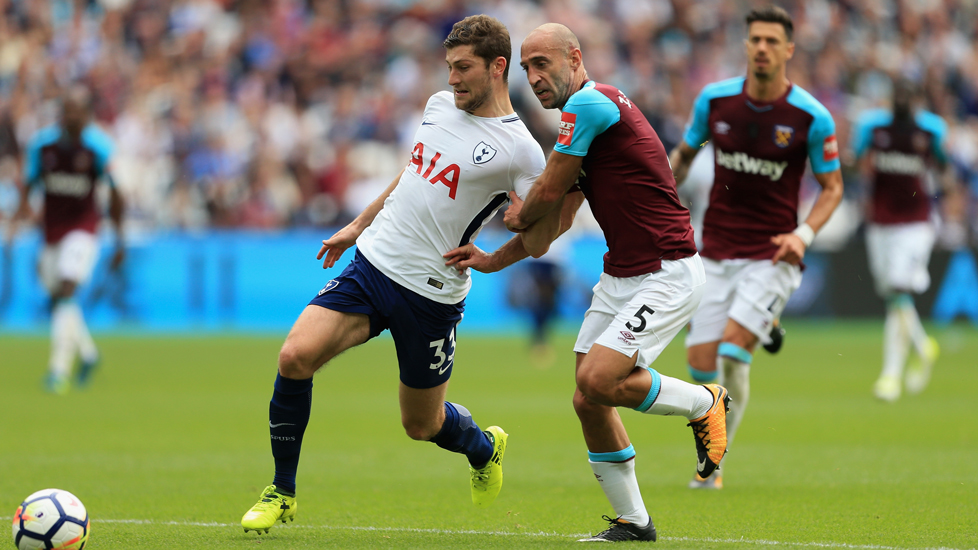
(652, 281)
(66, 162)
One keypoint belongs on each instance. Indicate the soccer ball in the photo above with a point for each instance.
(51, 518)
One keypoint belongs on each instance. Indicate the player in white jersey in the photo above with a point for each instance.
(471, 151)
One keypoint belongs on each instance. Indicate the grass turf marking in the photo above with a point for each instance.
(759, 542)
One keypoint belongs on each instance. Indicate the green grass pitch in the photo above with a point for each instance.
(169, 447)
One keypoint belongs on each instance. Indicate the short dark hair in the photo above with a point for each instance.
(488, 37)
(773, 14)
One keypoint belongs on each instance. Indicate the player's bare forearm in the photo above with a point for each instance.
(557, 178)
(681, 158)
(334, 247)
(513, 250)
(792, 246)
(117, 207)
(828, 200)
(537, 238)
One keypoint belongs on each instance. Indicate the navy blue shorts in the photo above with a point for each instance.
(423, 330)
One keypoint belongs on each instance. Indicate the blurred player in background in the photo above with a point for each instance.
(763, 128)
(897, 147)
(652, 279)
(66, 161)
(470, 152)
(535, 289)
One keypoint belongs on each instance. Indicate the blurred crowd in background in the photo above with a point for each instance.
(284, 113)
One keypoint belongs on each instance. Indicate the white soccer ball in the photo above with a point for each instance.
(51, 518)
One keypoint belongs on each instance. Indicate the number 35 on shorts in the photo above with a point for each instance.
(442, 360)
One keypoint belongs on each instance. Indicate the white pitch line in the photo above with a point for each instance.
(753, 542)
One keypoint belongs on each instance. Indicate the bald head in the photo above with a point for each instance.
(554, 37)
(551, 57)
(76, 107)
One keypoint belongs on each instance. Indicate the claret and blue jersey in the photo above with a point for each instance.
(761, 151)
(626, 177)
(900, 154)
(68, 171)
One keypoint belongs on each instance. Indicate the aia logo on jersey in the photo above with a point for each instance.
(783, 135)
(483, 153)
(830, 149)
(447, 176)
(565, 133)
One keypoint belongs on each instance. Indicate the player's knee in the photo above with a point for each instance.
(66, 289)
(293, 364)
(419, 431)
(582, 405)
(597, 387)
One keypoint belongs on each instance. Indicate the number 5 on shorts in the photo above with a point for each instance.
(642, 321)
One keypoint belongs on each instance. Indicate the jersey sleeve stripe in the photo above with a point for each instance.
(482, 218)
(697, 130)
(820, 132)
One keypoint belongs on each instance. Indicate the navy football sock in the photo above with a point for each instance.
(460, 434)
(288, 415)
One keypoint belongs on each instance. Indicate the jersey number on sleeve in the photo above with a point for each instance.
(448, 176)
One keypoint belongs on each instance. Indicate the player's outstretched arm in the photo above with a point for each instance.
(792, 246)
(681, 158)
(335, 246)
(515, 249)
(116, 209)
(557, 178)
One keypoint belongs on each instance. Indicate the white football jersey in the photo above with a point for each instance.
(460, 174)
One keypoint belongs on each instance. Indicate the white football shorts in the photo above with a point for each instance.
(898, 256)
(71, 259)
(643, 314)
(751, 292)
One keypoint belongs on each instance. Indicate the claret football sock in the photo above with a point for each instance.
(672, 396)
(616, 474)
(460, 434)
(288, 415)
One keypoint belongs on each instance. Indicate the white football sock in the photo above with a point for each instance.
(915, 330)
(895, 342)
(619, 484)
(86, 345)
(63, 338)
(677, 397)
(736, 378)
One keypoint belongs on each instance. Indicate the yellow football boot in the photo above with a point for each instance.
(920, 367)
(488, 480)
(271, 507)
